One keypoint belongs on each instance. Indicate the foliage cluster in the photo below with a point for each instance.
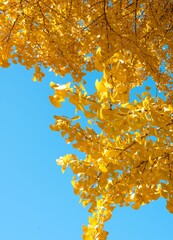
(130, 160)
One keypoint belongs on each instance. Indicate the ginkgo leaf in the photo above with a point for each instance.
(169, 206)
(147, 88)
(55, 102)
(75, 118)
(103, 168)
(5, 64)
(136, 205)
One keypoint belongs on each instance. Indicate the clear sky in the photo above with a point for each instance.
(36, 200)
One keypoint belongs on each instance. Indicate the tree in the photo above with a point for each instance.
(128, 146)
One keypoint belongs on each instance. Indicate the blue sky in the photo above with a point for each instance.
(37, 201)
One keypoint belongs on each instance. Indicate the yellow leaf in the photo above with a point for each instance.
(147, 88)
(138, 138)
(89, 114)
(150, 160)
(83, 88)
(34, 79)
(136, 205)
(169, 206)
(89, 122)
(100, 86)
(52, 84)
(102, 167)
(54, 101)
(5, 64)
(75, 118)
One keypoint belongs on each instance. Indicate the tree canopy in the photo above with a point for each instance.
(128, 146)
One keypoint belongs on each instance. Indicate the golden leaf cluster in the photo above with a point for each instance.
(128, 146)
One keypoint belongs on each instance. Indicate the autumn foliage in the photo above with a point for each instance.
(128, 146)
